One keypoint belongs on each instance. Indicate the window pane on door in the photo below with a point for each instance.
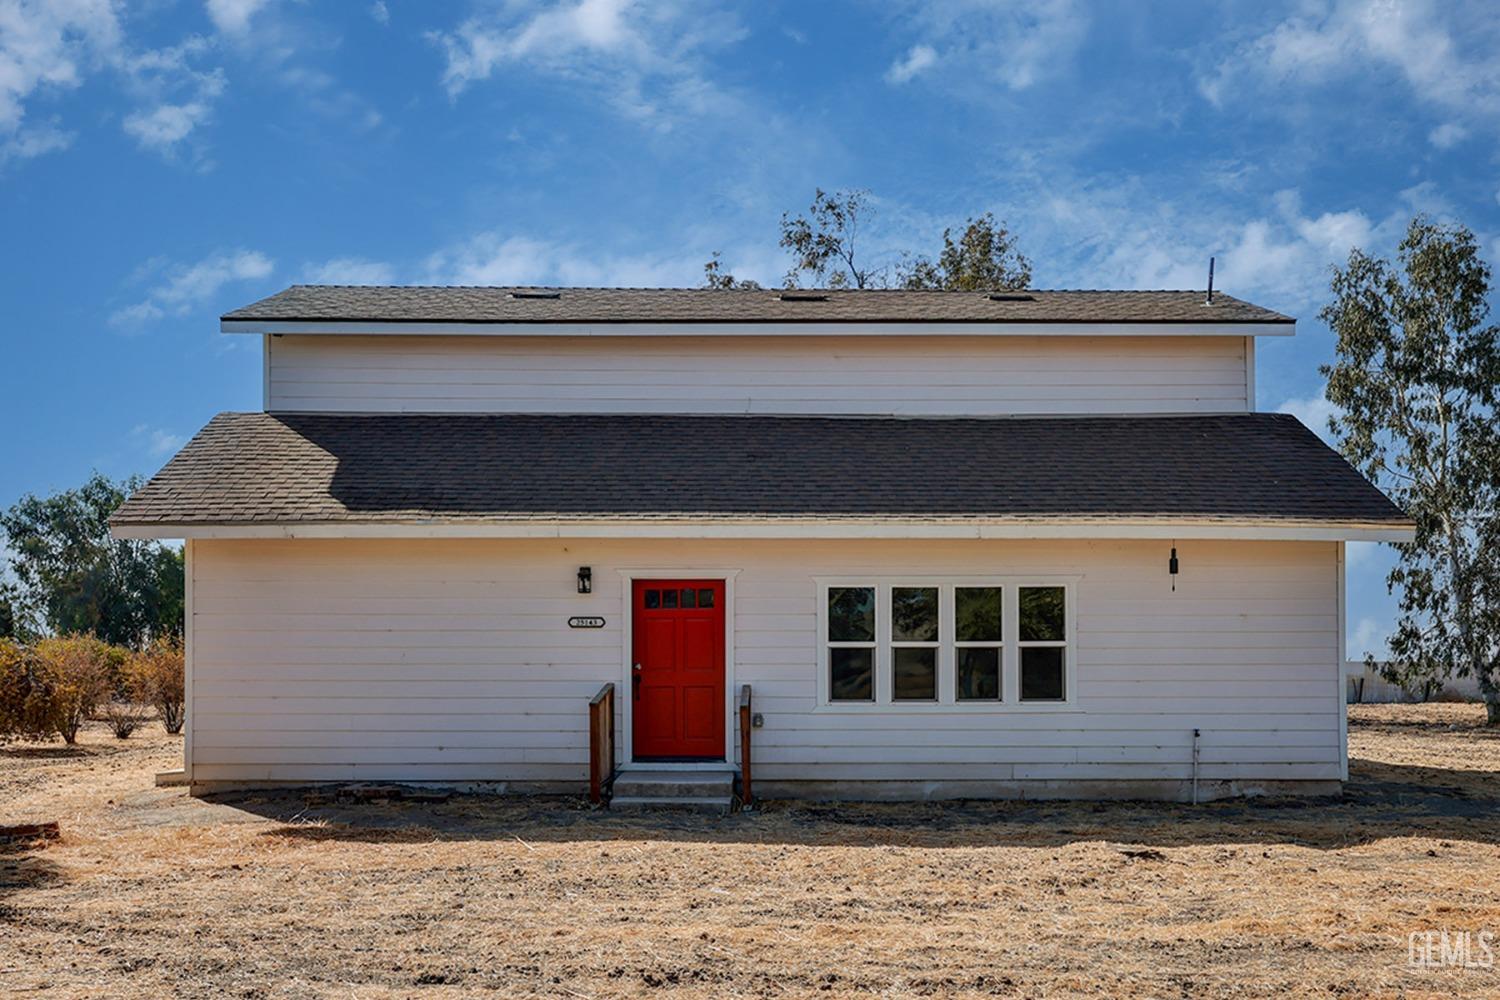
(976, 614)
(914, 674)
(706, 597)
(653, 598)
(851, 614)
(1042, 614)
(1042, 673)
(689, 597)
(978, 673)
(851, 674)
(914, 614)
(669, 598)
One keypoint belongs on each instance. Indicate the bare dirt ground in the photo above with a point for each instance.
(152, 893)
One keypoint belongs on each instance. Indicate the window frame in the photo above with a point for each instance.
(1063, 644)
(996, 644)
(947, 645)
(826, 644)
(943, 617)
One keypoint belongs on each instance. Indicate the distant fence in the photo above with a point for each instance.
(1363, 685)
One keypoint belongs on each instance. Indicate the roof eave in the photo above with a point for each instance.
(1257, 529)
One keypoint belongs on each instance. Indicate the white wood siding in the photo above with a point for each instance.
(451, 660)
(805, 374)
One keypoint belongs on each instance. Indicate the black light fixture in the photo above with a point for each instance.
(1172, 568)
(585, 580)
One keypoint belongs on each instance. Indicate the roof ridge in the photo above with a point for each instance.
(771, 290)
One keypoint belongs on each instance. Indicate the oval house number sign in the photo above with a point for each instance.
(585, 623)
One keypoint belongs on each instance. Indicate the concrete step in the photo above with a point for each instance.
(704, 791)
(717, 804)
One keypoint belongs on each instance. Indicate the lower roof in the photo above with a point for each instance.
(247, 470)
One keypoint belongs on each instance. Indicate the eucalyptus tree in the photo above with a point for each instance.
(1415, 383)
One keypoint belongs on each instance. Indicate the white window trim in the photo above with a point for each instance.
(1010, 664)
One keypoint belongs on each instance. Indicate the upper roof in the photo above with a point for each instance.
(434, 304)
(286, 469)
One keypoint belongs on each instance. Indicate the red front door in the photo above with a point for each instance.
(678, 669)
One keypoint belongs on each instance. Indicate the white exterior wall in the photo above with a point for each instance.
(451, 660)
(956, 375)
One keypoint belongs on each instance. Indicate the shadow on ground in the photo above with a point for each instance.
(1380, 801)
(22, 866)
(50, 753)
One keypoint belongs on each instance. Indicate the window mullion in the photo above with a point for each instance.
(1010, 660)
(947, 678)
(883, 670)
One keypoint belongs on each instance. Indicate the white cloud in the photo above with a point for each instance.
(163, 127)
(1441, 64)
(1358, 555)
(1370, 637)
(492, 258)
(1313, 411)
(232, 17)
(1447, 135)
(1126, 231)
(48, 44)
(187, 286)
(349, 271)
(156, 442)
(177, 98)
(644, 58)
(919, 58)
(321, 93)
(33, 140)
(1015, 43)
(380, 12)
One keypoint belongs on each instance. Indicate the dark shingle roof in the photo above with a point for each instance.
(259, 468)
(411, 304)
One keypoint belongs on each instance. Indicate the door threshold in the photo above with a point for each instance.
(677, 765)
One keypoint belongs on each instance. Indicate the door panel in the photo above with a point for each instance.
(678, 682)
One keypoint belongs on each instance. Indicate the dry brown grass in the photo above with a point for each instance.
(152, 893)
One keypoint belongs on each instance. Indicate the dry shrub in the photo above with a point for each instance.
(77, 669)
(116, 660)
(28, 698)
(156, 677)
(125, 716)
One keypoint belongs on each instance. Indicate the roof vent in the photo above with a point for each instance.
(802, 297)
(535, 295)
(1012, 297)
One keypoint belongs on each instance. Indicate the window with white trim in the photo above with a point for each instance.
(969, 642)
(851, 643)
(978, 646)
(1042, 634)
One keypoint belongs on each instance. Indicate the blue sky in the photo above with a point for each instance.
(162, 162)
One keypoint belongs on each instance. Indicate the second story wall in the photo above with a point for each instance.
(804, 374)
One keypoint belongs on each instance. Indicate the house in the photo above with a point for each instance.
(945, 545)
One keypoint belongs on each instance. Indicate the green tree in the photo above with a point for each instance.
(984, 258)
(825, 246)
(71, 576)
(825, 242)
(715, 276)
(1415, 381)
(10, 624)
